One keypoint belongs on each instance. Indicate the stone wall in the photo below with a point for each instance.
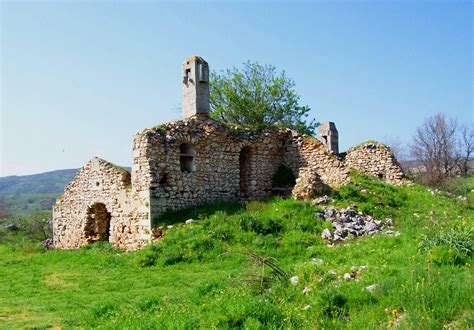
(309, 154)
(318, 168)
(199, 160)
(375, 159)
(97, 183)
(196, 161)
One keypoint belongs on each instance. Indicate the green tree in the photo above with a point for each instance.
(258, 96)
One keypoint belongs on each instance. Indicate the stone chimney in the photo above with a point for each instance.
(329, 136)
(195, 87)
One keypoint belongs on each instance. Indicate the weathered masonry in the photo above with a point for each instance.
(198, 160)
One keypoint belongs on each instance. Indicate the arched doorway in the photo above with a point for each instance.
(97, 226)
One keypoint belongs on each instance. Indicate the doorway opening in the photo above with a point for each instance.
(97, 226)
(245, 169)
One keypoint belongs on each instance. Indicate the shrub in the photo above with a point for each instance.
(283, 177)
(149, 255)
(206, 288)
(220, 227)
(247, 311)
(149, 304)
(441, 254)
(260, 224)
(453, 244)
(102, 309)
(333, 304)
(458, 185)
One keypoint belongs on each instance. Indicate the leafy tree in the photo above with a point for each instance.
(257, 96)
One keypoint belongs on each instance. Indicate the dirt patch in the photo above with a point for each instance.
(59, 280)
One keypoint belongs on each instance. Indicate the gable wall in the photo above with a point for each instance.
(96, 182)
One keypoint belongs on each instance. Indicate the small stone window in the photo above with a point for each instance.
(203, 73)
(187, 76)
(164, 179)
(186, 158)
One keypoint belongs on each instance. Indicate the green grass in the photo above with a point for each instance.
(461, 186)
(200, 276)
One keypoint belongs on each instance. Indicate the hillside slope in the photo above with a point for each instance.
(28, 194)
(44, 183)
(22, 195)
(263, 264)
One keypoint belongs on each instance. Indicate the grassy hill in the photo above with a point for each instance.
(231, 268)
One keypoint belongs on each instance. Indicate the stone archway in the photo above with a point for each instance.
(97, 227)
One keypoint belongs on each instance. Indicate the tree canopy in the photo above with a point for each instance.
(258, 96)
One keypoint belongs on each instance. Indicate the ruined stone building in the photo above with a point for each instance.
(198, 160)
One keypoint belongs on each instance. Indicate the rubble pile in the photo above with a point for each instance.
(350, 223)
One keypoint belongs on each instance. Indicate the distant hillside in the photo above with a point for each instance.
(22, 195)
(44, 183)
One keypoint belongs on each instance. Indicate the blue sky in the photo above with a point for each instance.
(80, 78)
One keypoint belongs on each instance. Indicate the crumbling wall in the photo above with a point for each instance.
(375, 159)
(307, 154)
(199, 160)
(308, 185)
(319, 168)
(98, 183)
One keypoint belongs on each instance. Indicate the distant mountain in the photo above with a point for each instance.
(28, 194)
(52, 182)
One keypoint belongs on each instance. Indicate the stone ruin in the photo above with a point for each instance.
(198, 160)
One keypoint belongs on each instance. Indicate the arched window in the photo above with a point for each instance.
(186, 157)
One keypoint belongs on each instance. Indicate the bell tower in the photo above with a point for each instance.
(195, 87)
(329, 136)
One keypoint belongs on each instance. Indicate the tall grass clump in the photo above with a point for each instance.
(450, 245)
